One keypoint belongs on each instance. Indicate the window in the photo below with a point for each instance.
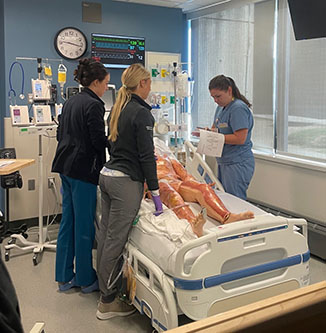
(221, 44)
(284, 79)
(301, 122)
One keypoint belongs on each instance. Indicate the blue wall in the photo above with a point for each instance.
(30, 27)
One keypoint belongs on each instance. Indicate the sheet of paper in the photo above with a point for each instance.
(210, 143)
(5, 163)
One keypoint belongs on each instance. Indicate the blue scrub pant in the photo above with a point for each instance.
(76, 233)
(236, 177)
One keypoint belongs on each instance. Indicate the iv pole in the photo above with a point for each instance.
(175, 102)
(39, 246)
(42, 230)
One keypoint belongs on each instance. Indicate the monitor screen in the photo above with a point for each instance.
(308, 18)
(71, 91)
(109, 97)
(118, 51)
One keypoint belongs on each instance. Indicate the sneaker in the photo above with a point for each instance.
(64, 286)
(89, 289)
(117, 308)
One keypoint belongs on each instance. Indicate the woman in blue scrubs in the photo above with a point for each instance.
(234, 119)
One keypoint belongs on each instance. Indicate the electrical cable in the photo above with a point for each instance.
(49, 136)
(109, 283)
(29, 111)
(57, 204)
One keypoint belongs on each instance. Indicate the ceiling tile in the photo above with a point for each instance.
(185, 5)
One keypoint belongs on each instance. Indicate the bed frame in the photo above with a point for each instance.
(243, 262)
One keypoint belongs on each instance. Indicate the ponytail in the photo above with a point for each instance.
(222, 82)
(130, 79)
(124, 96)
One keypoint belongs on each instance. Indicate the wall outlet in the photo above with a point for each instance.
(31, 184)
(51, 182)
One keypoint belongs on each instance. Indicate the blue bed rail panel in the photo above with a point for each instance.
(216, 280)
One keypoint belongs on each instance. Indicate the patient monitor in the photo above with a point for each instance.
(42, 115)
(19, 115)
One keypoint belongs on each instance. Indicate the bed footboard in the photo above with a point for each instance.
(154, 293)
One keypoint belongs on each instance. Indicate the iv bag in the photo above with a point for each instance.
(62, 74)
(182, 85)
(48, 71)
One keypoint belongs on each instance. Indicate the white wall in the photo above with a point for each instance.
(290, 187)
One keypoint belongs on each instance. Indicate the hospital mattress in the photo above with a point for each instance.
(160, 246)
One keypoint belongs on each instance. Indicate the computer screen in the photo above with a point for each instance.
(109, 97)
(308, 18)
(71, 91)
(117, 51)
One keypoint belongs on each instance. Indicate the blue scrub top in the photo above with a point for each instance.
(233, 117)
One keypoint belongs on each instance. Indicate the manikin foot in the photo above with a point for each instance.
(198, 225)
(239, 217)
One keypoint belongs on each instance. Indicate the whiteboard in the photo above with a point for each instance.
(157, 59)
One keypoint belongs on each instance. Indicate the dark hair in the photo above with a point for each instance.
(222, 82)
(89, 70)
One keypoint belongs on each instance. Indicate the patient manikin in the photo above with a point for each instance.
(178, 186)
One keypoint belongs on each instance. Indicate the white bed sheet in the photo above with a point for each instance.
(159, 238)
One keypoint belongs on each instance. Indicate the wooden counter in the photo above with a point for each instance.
(16, 166)
(300, 310)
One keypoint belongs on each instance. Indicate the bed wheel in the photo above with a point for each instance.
(35, 259)
(12, 241)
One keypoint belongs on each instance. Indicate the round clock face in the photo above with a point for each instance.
(70, 43)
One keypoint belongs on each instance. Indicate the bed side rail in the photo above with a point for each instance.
(300, 223)
(198, 168)
(209, 240)
(248, 236)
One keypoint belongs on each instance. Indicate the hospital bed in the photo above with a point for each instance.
(230, 266)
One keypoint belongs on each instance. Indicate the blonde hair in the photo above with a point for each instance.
(130, 79)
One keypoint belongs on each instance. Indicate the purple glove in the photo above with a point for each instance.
(158, 205)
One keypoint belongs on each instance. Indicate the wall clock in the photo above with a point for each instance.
(70, 43)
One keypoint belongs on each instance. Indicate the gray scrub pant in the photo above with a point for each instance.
(120, 199)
